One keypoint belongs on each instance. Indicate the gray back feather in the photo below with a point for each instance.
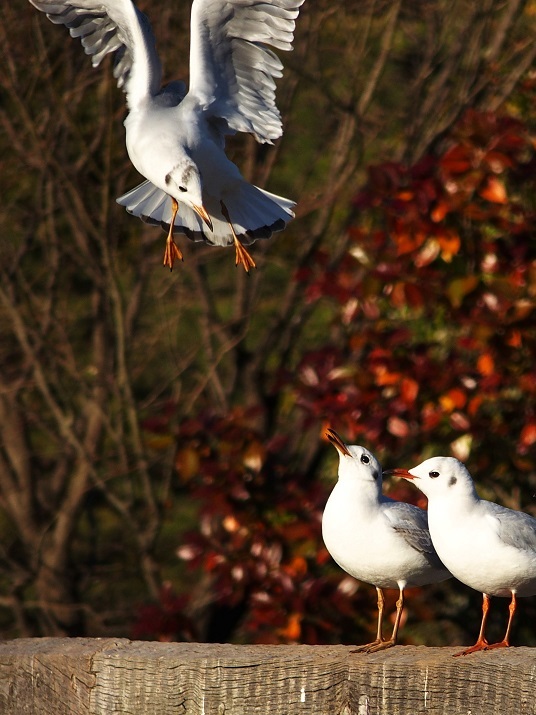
(412, 523)
(514, 527)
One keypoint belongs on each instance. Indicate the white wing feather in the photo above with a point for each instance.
(107, 27)
(231, 69)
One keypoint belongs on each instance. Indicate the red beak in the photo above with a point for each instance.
(400, 473)
(337, 442)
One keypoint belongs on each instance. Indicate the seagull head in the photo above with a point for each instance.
(355, 462)
(184, 184)
(437, 475)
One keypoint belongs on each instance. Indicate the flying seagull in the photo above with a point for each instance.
(176, 139)
(374, 538)
(485, 545)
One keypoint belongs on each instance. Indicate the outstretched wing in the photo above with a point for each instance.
(231, 68)
(106, 26)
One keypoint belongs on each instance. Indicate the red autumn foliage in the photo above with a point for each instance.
(431, 350)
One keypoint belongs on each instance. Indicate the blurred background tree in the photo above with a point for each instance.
(162, 467)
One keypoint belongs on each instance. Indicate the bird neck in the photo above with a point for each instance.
(359, 490)
(454, 504)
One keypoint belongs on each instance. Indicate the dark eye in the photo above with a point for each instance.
(433, 475)
(365, 459)
(183, 188)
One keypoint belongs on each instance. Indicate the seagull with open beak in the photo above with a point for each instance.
(486, 546)
(374, 538)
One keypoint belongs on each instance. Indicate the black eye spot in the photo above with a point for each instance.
(433, 475)
(182, 188)
(365, 459)
(452, 481)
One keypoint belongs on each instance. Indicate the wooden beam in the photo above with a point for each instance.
(83, 676)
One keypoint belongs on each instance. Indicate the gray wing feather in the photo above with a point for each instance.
(514, 527)
(232, 70)
(412, 523)
(103, 28)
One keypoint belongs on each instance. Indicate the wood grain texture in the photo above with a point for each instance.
(61, 676)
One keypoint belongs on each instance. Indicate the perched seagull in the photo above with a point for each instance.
(486, 546)
(376, 539)
(176, 139)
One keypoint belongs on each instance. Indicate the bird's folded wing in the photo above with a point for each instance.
(105, 26)
(513, 527)
(412, 523)
(231, 68)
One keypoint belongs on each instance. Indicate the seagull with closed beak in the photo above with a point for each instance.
(374, 538)
(486, 546)
(176, 139)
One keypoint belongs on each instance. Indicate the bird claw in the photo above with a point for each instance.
(171, 253)
(472, 649)
(243, 257)
(483, 645)
(374, 647)
(500, 644)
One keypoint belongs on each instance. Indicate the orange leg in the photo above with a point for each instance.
(379, 635)
(172, 251)
(242, 256)
(399, 609)
(505, 643)
(380, 643)
(392, 641)
(481, 642)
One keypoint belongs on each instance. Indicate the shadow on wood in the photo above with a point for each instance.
(83, 676)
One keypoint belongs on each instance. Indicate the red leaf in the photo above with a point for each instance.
(485, 365)
(439, 211)
(456, 160)
(398, 427)
(494, 191)
(528, 434)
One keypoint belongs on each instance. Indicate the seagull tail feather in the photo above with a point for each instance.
(255, 213)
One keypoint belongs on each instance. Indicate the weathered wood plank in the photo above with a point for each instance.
(407, 680)
(122, 677)
(46, 675)
(219, 679)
